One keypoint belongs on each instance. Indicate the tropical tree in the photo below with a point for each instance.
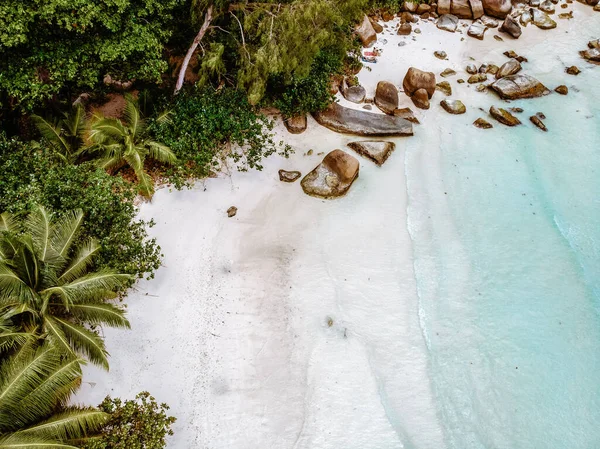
(35, 386)
(47, 288)
(66, 134)
(120, 143)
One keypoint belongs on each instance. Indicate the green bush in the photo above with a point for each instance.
(206, 126)
(138, 424)
(29, 176)
(312, 93)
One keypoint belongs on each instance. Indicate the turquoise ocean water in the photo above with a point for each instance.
(506, 232)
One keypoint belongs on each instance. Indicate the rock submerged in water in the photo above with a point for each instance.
(289, 176)
(562, 89)
(333, 177)
(386, 97)
(376, 150)
(593, 54)
(482, 123)
(504, 117)
(362, 123)
(296, 125)
(517, 86)
(538, 122)
(453, 106)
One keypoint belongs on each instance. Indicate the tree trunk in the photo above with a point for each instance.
(207, 19)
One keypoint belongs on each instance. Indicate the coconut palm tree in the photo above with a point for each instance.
(120, 143)
(47, 288)
(35, 386)
(66, 134)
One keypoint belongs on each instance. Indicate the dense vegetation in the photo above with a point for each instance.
(94, 112)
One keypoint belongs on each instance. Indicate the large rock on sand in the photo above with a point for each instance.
(461, 9)
(593, 55)
(296, 125)
(352, 121)
(386, 97)
(497, 8)
(517, 86)
(366, 32)
(542, 20)
(447, 22)
(416, 79)
(510, 67)
(376, 150)
(332, 177)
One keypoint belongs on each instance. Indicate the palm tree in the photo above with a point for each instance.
(46, 286)
(35, 386)
(65, 135)
(126, 143)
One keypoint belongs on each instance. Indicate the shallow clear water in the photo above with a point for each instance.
(507, 261)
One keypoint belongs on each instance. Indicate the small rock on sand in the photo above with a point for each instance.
(445, 87)
(376, 150)
(562, 89)
(289, 176)
(573, 70)
(231, 211)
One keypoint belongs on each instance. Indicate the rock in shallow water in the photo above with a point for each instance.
(538, 122)
(593, 54)
(517, 86)
(453, 106)
(333, 177)
(510, 67)
(351, 121)
(482, 123)
(504, 117)
(562, 89)
(376, 150)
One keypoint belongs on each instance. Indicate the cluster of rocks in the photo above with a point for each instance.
(592, 54)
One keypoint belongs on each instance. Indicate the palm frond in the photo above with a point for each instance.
(38, 225)
(80, 262)
(74, 122)
(100, 314)
(8, 222)
(64, 231)
(57, 387)
(52, 132)
(72, 423)
(58, 338)
(145, 184)
(90, 286)
(19, 375)
(106, 130)
(165, 117)
(11, 338)
(20, 441)
(85, 342)
(160, 152)
(12, 286)
(133, 119)
(108, 163)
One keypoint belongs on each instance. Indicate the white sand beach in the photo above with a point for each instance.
(297, 323)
